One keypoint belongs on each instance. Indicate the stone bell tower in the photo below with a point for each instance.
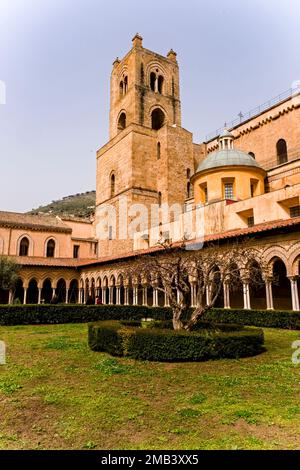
(149, 156)
(144, 89)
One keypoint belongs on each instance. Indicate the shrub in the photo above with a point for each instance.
(154, 344)
(263, 318)
(70, 313)
(201, 325)
(106, 339)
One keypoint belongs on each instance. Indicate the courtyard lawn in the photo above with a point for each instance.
(57, 394)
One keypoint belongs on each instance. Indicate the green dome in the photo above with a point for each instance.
(231, 157)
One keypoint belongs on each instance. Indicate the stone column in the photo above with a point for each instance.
(246, 294)
(135, 295)
(11, 296)
(25, 295)
(193, 294)
(67, 295)
(53, 292)
(269, 295)
(208, 294)
(104, 295)
(40, 295)
(155, 297)
(294, 292)
(118, 295)
(167, 300)
(145, 296)
(226, 295)
(156, 84)
(126, 295)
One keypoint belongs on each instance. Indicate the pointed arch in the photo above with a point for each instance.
(112, 184)
(121, 121)
(158, 118)
(281, 149)
(25, 245)
(50, 248)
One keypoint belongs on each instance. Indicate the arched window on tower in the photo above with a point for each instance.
(281, 148)
(188, 185)
(157, 119)
(24, 247)
(121, 89)
(159, 199)
(160, 84)
(158, 150)
(152, 81)
(125, 85)
(188, 189)
(50, 249)
(112, 185)
(122, 122)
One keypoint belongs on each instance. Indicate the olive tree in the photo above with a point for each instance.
(8, 273)
(173, 269)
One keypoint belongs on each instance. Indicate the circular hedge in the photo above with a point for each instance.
(164, 344)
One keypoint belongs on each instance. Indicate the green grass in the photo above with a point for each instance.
(57, 394)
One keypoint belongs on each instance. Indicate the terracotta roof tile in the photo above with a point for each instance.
(80, 263)
(35, 222)
(54, 262)
(267, 226)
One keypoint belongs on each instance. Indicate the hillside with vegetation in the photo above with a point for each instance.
(79, 205)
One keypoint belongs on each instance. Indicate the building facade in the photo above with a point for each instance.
(243, 181)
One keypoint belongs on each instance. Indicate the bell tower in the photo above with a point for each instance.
(144, 89)
(149, 156)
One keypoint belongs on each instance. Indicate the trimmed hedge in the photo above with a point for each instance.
(154, 344)
(287, 319)
(68, 313)
(62, 313)
(201, 325)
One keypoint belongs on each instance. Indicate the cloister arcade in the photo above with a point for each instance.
(37, 291)
(279, 288)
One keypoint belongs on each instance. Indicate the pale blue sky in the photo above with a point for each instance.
(56, 56)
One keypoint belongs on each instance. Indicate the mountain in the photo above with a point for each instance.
(79, 205)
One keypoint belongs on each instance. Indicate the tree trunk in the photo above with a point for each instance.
(177, 323)
(198, 312)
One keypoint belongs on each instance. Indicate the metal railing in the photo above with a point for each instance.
(255, 111)
(272, 162)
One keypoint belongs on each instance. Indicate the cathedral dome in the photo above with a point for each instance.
(227, 174)
(227, 157)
